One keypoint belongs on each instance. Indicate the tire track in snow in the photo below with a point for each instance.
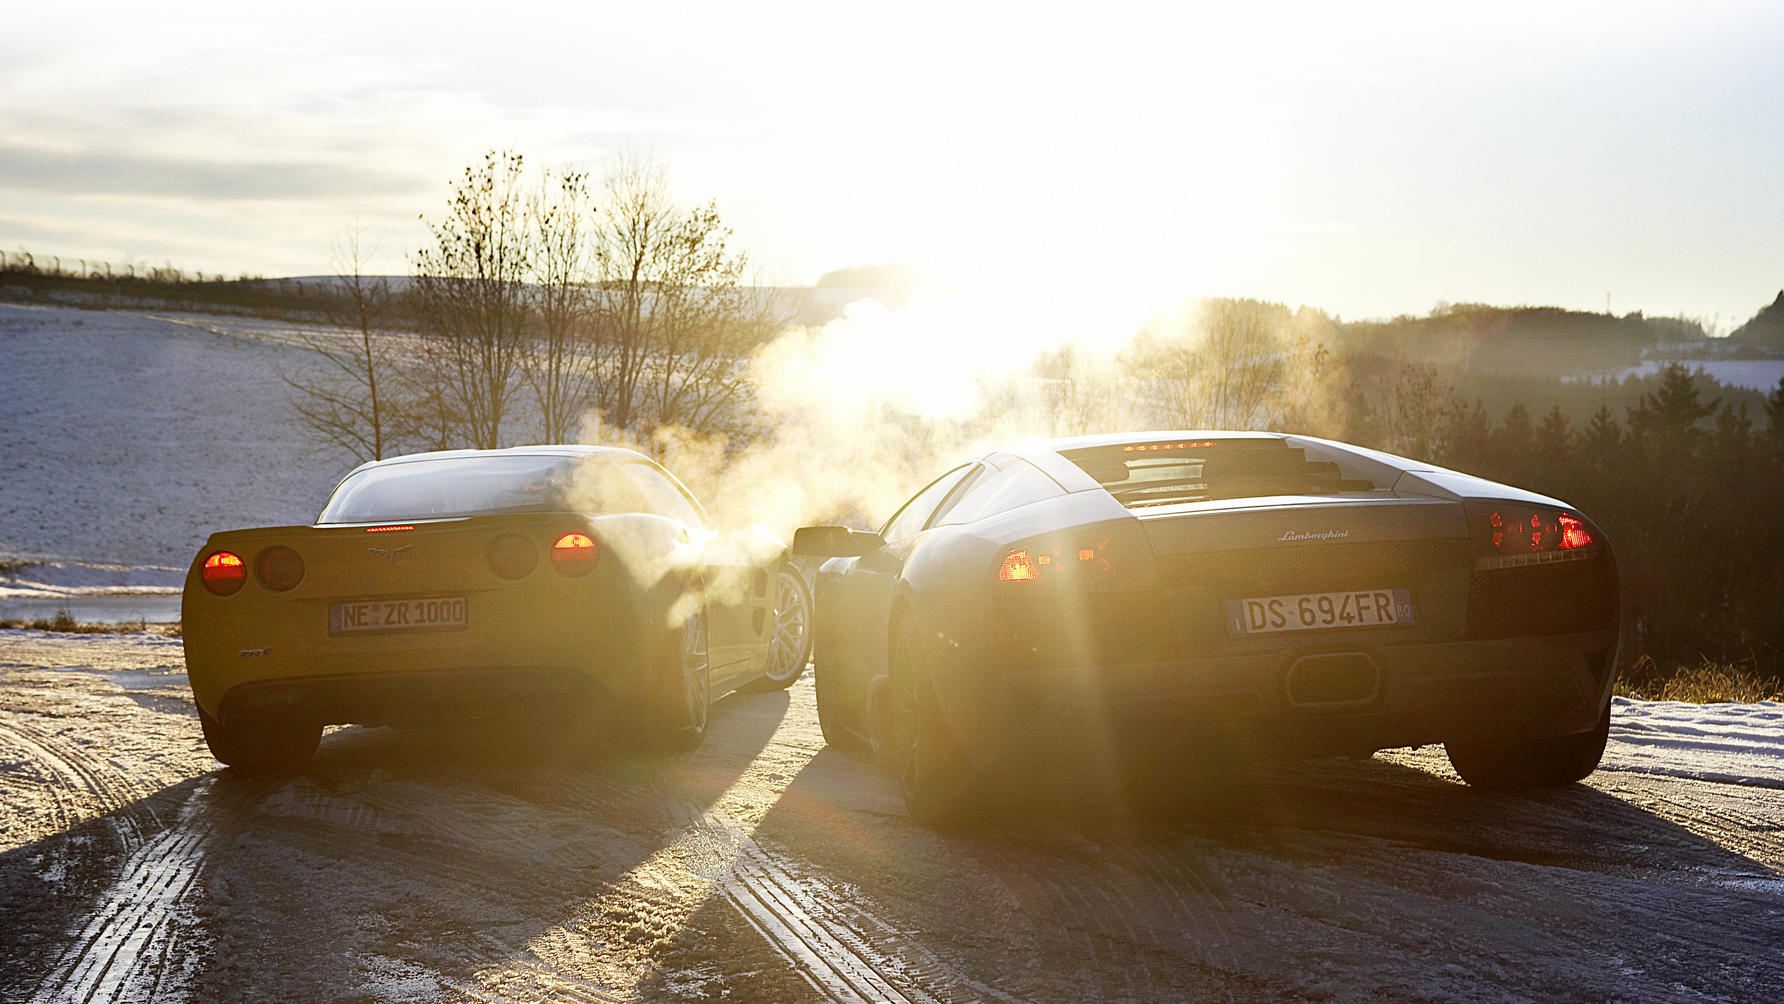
(78, 788)
(1723, 810)
(125, 944)
(846, 952)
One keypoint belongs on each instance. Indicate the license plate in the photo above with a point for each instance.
(432, 613)
(1319, 611)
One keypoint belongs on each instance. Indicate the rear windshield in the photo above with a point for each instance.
(1165, 473)
(452, 486)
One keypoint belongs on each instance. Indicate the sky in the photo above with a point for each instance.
(1366, 159)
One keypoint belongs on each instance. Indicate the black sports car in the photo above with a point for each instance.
(1252, 592)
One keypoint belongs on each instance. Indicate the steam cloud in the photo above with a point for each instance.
(862, 411)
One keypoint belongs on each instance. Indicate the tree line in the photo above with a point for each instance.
(544, 299)
(1688, 483)
(1690, 492)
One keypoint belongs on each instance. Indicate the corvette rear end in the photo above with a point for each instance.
(473, 584)
(393, 623)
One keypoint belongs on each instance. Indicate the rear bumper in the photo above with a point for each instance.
(1306, 701)
(405, 698)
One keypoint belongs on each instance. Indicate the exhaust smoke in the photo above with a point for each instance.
(858, 413)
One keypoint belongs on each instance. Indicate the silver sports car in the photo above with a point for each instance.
(1234, 591)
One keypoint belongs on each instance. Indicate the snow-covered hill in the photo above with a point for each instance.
(126, 438)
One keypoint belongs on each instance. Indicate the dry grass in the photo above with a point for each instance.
(1708, 682)
(65, 623)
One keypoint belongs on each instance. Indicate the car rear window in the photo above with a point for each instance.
(451, 486)
(1153, 473)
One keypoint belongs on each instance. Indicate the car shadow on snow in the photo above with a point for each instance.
(397, 861)
(1251, 888)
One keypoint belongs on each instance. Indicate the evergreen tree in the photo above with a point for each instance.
(1673, 408)
(1774, 412)
(1602, 436)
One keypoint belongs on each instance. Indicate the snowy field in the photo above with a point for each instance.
(417, 866)
(1753, 374)
(127, 438)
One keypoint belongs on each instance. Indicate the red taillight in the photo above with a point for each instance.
(1206, 444)
(1513, 536)
(390, 529)
(279, 568)
(223, 573)
(1574, 533)
(512, 556)
(575, 553)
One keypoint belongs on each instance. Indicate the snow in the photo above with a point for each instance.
(421, 865)
(1753, 374)
(1728, 743)
(129, 438)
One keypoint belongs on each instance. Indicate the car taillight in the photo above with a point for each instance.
(1512, 536)
(1019, 566)
(1574, 534)
(575, 553)
(512, 556)
(223, 573)
(1100, 562)
(279, 568)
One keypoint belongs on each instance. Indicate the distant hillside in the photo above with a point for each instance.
(1765, 327)
(893, 284)
(1519, 339)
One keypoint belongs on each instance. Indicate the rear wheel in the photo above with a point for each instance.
(836, 718)
(254, 746)
(931, 770)
(1539, 763)
(789, 642)
(683, 682)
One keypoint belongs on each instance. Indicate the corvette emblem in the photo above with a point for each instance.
(1313, 535)
(390, 554)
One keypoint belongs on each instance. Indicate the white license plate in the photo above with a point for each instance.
(1319, 611)
(431, 613)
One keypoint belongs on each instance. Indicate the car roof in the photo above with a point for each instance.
(555, 450)
(1153, 436)
(1049, 454)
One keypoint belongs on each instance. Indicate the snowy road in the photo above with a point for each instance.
(424, 866)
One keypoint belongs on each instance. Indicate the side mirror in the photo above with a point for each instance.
(833, 541)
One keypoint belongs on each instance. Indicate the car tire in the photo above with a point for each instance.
(932, 772)
(1538, 763)
(681, 678)
(260, 746)
(789, 645)
(836, 719)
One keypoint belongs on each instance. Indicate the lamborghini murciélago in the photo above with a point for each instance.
(480, 583)
(1253, 592)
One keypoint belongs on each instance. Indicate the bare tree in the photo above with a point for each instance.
(710, 320)
(629, 244)
(560, 364)
(353, 403)
(1222, 371)
(471, 298)
(674, 320)
(1079, 393)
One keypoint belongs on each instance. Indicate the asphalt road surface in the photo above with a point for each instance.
(505, 864)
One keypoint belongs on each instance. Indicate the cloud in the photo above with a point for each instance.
(24, 168)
